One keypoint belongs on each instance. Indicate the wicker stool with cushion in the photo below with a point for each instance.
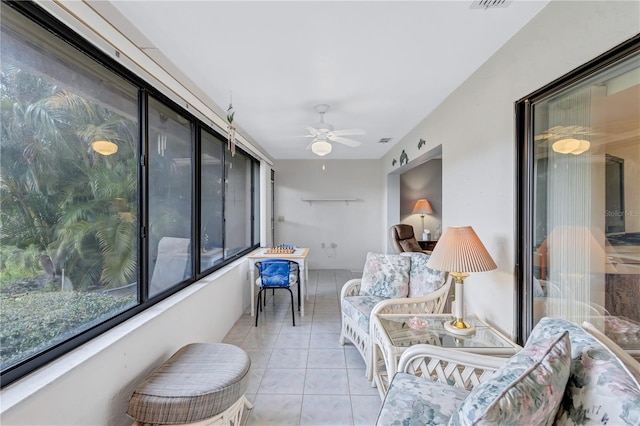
(202, 383)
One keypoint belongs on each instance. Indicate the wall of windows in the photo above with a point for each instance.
(580, 223)
(99, 193)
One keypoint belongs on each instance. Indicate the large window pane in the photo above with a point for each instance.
(68, 182)
(170, 200)
(69, 221)
(211, 188)
(237, 203)
(586, 214)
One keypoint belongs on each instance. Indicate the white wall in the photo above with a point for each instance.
(355, 228)
(92, 385)
(475, 126)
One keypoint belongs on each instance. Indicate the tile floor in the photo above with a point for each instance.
(301, 375)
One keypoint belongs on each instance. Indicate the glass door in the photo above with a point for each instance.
(580, 193)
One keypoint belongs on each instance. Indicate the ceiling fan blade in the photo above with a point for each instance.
(345, 141)
(313, 131)
(349, 132)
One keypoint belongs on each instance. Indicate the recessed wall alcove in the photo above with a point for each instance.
(420, 178)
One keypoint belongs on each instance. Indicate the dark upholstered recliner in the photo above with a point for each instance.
(404, 240)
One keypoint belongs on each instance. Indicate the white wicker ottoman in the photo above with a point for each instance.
(201, 384)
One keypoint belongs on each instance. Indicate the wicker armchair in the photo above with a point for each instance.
(429, 295)
(560, 374)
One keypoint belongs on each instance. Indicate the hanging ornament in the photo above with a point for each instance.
(162, 135)
(231, 130)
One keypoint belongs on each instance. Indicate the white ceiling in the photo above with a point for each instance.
(382, 66)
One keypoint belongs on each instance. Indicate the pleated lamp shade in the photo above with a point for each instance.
(460, 250)
(423, 207)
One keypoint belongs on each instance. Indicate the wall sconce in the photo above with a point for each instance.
(104, 147)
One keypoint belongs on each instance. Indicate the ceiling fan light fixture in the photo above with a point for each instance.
(104, 147)
(584, 146)
(571, 146)
(321, 147)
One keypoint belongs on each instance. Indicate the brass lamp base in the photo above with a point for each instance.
(459, 326)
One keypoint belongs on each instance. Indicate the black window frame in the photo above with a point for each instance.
(58, 29)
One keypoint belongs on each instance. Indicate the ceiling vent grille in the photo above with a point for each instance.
(384, 140)
(489, 4)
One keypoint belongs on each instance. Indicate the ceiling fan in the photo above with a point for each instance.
(323, 133)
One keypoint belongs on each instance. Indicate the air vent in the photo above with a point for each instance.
(384, 140)
(489, 4)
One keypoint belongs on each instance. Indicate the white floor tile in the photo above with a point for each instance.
(326, 381)
(331, 410)
(293, 340)
(359, 385)
(301, 375)
(288, 358)
(365, 409)
(326, 358)
(325, 340)
(276, 410)
(282, 381)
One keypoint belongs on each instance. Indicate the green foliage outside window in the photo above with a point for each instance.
(68, 215)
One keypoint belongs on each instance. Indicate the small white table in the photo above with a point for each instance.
(299, 256)
(392, 334)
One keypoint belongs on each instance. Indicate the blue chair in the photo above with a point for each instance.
(275, 273)
(295, 268)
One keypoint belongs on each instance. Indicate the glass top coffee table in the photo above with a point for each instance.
(392, 334)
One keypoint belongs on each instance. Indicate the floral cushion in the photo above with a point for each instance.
(413, 400)
(422, 279)
(599, 390)
(526, 390)
(628, 362)
(359, 308)
(385, 275)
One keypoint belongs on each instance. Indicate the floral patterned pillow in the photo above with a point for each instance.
(422, 279)
(385, 275)
(599, 390)
(526, 390)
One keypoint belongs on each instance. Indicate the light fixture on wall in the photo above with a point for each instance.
(460, 251)
(104, 147)
(571, 146)
(321, 147)
(422, 207)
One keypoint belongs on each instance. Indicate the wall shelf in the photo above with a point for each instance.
(322, 200)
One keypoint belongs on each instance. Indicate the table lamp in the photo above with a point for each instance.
(460, 251)
(422, 207)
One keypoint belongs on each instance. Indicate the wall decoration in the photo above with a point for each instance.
(394, 162)
(404, 158)
(231, 130)
(421, 143)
